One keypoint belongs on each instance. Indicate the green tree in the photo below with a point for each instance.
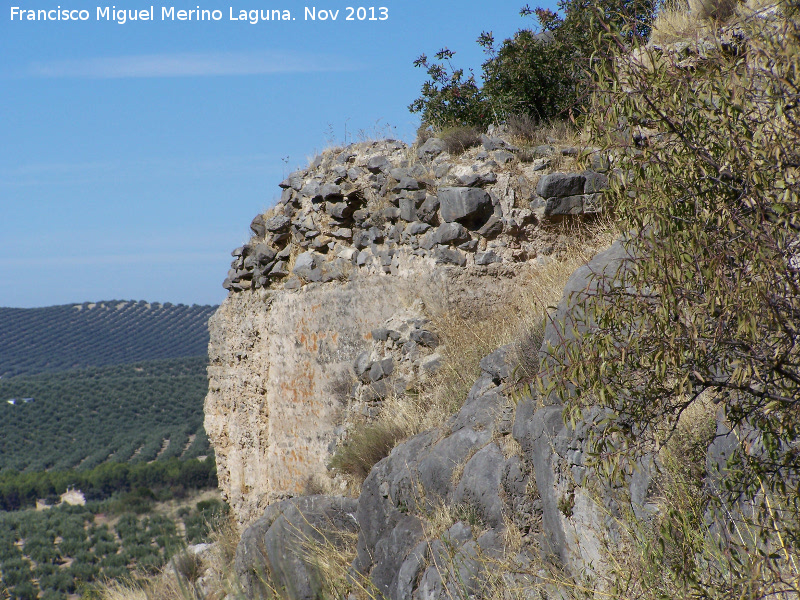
(542, 73)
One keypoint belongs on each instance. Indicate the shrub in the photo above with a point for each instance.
(448, 98)
(460, 139)
(24, 591)
(532, 74)
(542, 74)
(188, 565)
(710, 302)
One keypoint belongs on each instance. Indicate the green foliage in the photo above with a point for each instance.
(58, 338)
(708, 306)
(85, 417)
(168, 477)
(532, 74)
(541, 75)
(449, 99)
(198, 524)
(188, 565)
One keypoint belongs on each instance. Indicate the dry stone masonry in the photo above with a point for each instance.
(324, 316)
(376, 208)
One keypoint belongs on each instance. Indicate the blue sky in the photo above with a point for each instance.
(133, 156)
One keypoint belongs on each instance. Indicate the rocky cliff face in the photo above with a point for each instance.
(500, 489)
(358, 238)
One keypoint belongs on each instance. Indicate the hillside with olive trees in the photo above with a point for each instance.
(97, 334)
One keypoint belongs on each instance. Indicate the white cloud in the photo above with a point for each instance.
(188, 65)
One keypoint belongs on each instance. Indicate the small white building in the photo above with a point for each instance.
(73, 497)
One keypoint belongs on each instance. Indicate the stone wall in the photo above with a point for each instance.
(355, 240)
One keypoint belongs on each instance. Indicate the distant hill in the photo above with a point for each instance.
(85, 417)
(57, 338)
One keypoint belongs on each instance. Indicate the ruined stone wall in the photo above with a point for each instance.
(358, 236)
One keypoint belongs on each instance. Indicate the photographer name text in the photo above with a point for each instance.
(171, 13)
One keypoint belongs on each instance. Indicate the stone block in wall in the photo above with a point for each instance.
(558, 185)
(465, 205)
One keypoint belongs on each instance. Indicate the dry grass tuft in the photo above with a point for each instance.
(527, 131)
(166, 585)
(225, 537)
(460, 139)
(673, 23)
(116, 590)
(371, 443)
(519, 321)
(689, 20)
(179, 579)
(332, 562)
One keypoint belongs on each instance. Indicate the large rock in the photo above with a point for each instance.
(466, 205)
(394, 548)
(276, 363)
(569, 319)
(561, 184)
(349, 243)
(306, 263)
(431, 148)
(560, 194)
(275, 548)
(567, 514)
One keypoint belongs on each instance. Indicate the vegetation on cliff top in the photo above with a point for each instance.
(539, 75)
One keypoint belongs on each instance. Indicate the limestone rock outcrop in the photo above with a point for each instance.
(504, 467)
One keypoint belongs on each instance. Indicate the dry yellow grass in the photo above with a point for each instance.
(520, 321)
(689, 20)
(674, 22)
(164, 586)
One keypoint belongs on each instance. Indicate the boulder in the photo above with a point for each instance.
(406, 183)
(448, 233)
(257, 226)
(408, 209)
(263, 254)
(331, 192)
(339, 210)
(466, 205)
(274, 548)
(431, 148)
(306, 263)
(378, 164)
(277, 223)
(487, 258)
(557, 185)
(449, 256)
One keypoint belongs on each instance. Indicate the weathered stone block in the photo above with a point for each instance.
(464, 204)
